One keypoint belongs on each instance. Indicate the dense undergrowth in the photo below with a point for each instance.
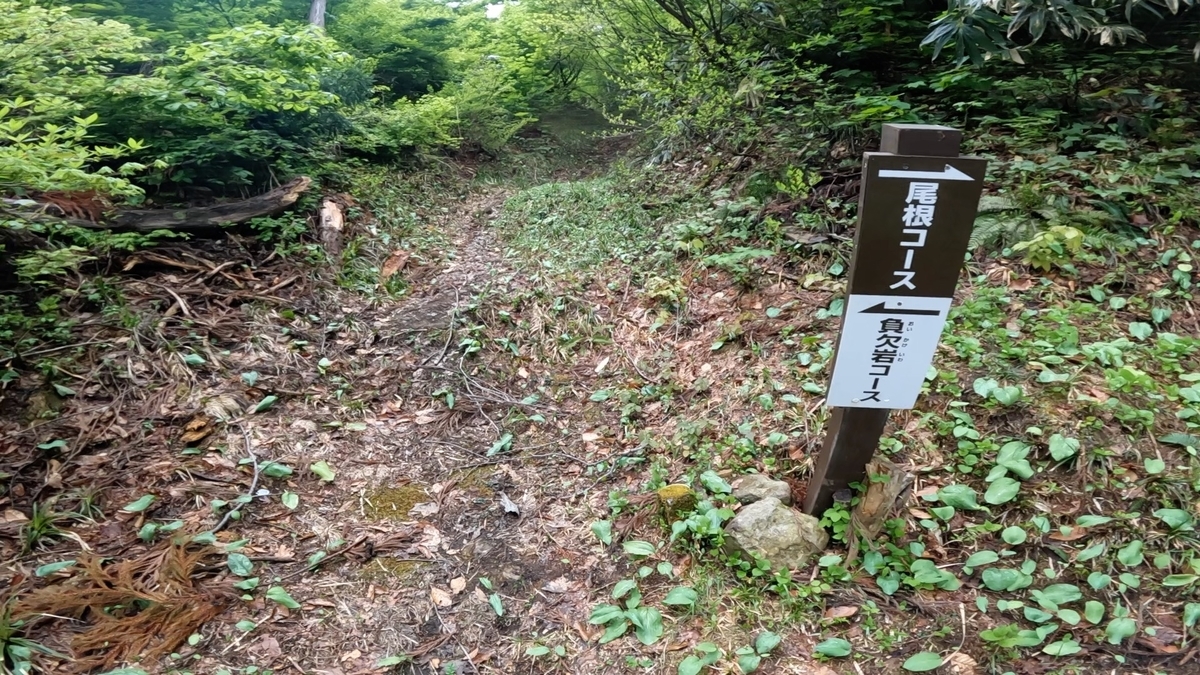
(674, 290)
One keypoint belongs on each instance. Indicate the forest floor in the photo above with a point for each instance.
(443, 457)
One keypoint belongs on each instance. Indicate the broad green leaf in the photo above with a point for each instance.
(1062, 447)
(1007, 395)
(1119, 629)
(1130, 580)
(623, 587)
(615, 630)
(1012, 457)
(1154, 465)
(1176, 519)
(322, 470)
(691, 665)
(496, 603)
(265, 404)
(1092, 520)
(944, 512)
(603, 531)
(639, 549)
(960, 497)
(1064, 647)
(1182, 440)
(250, 378)
(141, 504)
(681, 595)
(602, 614)
(748, 663)
(1131, 554)
(245, 625)
(981, 558)
(834, 647)
(51, 568)
(1176, 580)
(1191, 614)
(240, 565)
(714, 483)
(247, 584)
(1013, 535)
(1093, 611)
(290, 499)
(889, 584)
(648, 624)
(1140, 330)
(537, 650)
(1036, 615)
(389, 661)
(984, 386)
(601, 395)
(922, 662)
(1002, 491)
(1090, 552)
(194, 360)
(275, 470)
(766, 642)
(1069, 616)
(1060, 594)
(1098, 580)
(278, 595)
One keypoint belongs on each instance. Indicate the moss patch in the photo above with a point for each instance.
(475, 480)
(393, 503)
(390, 569)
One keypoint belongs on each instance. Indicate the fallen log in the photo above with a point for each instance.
(210, 217)
(193, 220)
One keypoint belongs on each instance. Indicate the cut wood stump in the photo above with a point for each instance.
(330, 228)
(887, 489)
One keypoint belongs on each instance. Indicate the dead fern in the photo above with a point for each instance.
(141, 609)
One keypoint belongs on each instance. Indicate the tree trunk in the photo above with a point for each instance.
(316, 13)
(202, 219)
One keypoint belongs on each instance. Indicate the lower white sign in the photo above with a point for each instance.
(886, 347)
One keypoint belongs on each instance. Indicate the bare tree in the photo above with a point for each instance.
(316, 13)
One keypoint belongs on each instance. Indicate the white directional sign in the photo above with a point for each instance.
(886, 347)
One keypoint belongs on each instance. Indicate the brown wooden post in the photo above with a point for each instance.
(916, 210)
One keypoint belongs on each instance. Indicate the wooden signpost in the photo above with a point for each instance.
(915, 213)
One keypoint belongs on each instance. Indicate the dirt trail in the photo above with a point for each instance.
(430, 516)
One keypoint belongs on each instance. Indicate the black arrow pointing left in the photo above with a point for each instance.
(882, 308)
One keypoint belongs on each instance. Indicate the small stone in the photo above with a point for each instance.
(782, 535)
(753, 487)
(675, 501)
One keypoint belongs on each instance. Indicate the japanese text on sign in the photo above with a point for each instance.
(888, 344)
(917, 218)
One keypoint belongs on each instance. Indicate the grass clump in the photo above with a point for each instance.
(574, 227)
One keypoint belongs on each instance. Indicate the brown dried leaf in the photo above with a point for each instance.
(559, 585)
(457, 585)
(440, 598)
(959, 663)
(393, 264)
(843, 612)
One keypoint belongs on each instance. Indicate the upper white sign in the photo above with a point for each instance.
(885, 349)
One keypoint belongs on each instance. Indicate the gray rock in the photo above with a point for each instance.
(754, 487)
(782, 535)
